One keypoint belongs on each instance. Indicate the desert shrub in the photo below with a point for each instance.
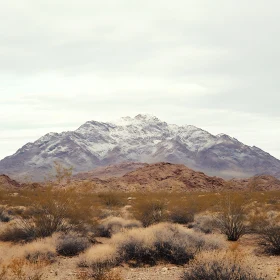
(100, 274)
(43, 223)
(231, 219)
(257, 221)
(220, 266)
(100, 253)
(16, 210)
(203, 223)
(112, 225)
(107, 213)
(151, 212)
(40, 251)
(260, 218)
(270, 239)
(181, 216)
(111, 199)
(51, 216)
(99, 259)
(40, 256)
(4, 217)
(19, 231)
(163, 242)
(51, 211)
(71, 244)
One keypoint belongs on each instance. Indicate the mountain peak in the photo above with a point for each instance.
(143, 138)
(140, 118)
(146, 117)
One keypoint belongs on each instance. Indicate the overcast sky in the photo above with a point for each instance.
(213, 64)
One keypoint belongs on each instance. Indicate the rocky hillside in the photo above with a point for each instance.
(140, 139)
(7, 183)
(171, 177)
(256, 183)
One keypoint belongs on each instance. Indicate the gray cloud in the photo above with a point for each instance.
(213, 64)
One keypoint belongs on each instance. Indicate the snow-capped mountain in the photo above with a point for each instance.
(143, 138)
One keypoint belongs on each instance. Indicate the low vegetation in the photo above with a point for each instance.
(221, 266)
(182, 216)
(190, 230)
(151, 211)
(40, 251)
(4, 217)
(165, 242)
(168, 243)
(71, 244)
(112, 225)
(21, 269)
(231, 218)
(270, 239)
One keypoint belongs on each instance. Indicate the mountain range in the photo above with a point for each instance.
(144, 139)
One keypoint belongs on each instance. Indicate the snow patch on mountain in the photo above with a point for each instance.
(143, 138)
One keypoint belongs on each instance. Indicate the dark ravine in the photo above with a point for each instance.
(143, 139)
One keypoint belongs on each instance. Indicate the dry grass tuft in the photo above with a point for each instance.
(100, 275)
(21, 269)
(99, 260)
(204, 223)
(162, 243)
(166, 242)
(40, 251)
(113, 225)
(221, 266)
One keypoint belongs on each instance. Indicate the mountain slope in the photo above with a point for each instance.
(140, 139)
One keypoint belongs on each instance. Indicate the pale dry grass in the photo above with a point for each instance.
(99, 260)
(113, 225)
(21, 269)
(204, 222)
(101, 253)
(41, 250)
(164, 242)
(222, 265)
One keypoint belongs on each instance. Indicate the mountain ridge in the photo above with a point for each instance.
(145, 139)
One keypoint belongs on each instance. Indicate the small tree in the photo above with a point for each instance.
(231, 219)
(63, 173)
